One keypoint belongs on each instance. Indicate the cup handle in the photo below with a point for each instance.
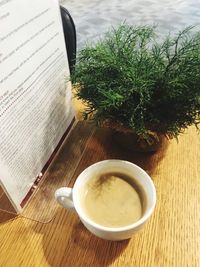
(64, 197)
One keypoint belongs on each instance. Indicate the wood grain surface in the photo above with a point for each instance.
(170, 238)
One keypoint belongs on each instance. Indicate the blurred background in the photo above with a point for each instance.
(94, 17)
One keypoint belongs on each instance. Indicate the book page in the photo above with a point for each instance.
(35, 99)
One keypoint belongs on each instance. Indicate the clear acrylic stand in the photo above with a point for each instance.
(40, 204)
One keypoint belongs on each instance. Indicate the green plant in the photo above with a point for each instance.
(130, 79)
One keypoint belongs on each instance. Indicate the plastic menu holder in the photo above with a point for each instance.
(40, 204)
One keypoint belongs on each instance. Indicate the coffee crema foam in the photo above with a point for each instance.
(112, 200)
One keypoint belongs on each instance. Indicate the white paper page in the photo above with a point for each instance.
(35, 101)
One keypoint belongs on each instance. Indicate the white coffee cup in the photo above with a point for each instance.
(71, 198)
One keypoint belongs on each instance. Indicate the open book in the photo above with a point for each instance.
(35, 99)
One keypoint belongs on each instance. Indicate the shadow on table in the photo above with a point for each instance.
(7, 212)
(103, 146)
(71, 244)
(6, 216)
(103, 251)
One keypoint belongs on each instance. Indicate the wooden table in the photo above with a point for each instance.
(170, 238)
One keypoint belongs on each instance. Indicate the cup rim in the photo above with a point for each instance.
(134, 225)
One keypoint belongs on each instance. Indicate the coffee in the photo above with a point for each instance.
(113, 200)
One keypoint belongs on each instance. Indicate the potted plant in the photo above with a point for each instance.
(135, 84)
